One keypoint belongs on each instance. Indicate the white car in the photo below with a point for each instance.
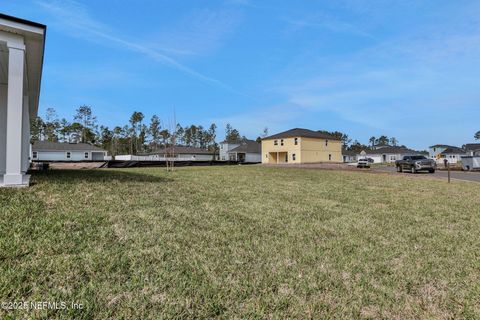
(363, 163)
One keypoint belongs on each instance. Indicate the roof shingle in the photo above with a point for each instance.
(472, 146)
(248, 146)
(63, 146)
(392, 150)
(302, 133)
(453, 150)
(180, 150)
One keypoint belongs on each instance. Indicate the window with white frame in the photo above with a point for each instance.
(86, 155)
(35, 155)
(69, 154)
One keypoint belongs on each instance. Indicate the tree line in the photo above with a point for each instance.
(137, 136)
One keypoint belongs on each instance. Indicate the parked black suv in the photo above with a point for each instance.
(415, 164)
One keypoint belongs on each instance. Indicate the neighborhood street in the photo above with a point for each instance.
(458, 175)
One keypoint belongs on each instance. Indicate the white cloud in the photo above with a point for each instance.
(73, 18)
(328, 22)
(199, 32)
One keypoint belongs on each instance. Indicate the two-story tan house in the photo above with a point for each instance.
(301, 146)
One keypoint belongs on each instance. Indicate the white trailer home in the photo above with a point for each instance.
(21, 59)
(64, 151)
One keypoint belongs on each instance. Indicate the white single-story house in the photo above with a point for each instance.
(387, 154)
(248, 151)
(472, 149)
(21, 60)
(349, 155)
(65, 151)
(178, 153)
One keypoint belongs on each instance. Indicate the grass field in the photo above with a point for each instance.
(241, 242)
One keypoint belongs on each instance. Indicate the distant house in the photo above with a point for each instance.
(452, 154)
(349, 155)
(241, 151)
(472, 149)
(178, 153)
(226, 146)
(435, 150)
(381, 145)
(64, 151)
(301, 146)
(248, 151)
(387, 154)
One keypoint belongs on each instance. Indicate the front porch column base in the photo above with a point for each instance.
(16, 180)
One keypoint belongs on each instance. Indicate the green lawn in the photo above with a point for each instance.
(241, 242)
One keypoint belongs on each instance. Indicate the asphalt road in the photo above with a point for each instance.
(458, 175)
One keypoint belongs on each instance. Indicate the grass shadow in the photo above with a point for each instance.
(106, 175)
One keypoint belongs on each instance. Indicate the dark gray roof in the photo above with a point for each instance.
(441, 146)
(63, 146)
(299, 132)
(23, 21)
(349, 152)
(392, 150)
(472, 146)
(453, 150)
(180, 150)
(232, 141)
(248, 146)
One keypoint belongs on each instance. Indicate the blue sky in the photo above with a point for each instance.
(404, 68)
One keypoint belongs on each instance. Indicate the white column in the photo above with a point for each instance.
(26, 135)
(16, 61)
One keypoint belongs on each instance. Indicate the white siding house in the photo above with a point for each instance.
(442, 152)
(58, 151)
(21, 59)
(226, 146)
(472, 149)
(387, 154)
(452, 154)
(247, 151)
(435, 150)
(349, 155)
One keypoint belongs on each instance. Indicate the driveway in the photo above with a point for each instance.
(458, 175)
